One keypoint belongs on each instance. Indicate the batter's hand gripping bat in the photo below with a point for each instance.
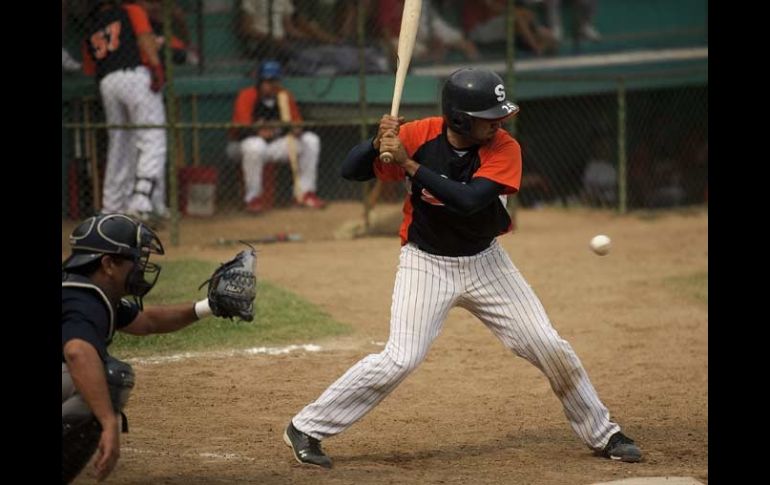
(410, 21)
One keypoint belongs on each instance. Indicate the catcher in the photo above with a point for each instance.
(110, 260)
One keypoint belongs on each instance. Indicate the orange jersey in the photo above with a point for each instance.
(430, 224)
(247, 111)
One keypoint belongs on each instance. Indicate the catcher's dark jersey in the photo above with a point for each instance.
(87, 314)
(110, 42)
(427, 222)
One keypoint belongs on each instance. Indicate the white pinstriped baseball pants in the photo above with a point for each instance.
(491, 288)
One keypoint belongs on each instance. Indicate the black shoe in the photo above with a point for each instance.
(621, 447)
(307, 450)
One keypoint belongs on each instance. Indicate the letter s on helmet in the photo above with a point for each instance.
(120, 235)
(474, 93)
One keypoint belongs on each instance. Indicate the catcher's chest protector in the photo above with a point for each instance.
(71, 280)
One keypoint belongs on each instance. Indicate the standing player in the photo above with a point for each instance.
(457, 169)
(121, 50)
(258, 103)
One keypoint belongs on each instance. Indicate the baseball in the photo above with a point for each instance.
(601, 244)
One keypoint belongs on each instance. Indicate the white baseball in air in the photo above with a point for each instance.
(601, 244)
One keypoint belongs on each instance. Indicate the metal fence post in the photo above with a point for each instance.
(622, 162)
(510, 80)
(368, 188)
(171, 125)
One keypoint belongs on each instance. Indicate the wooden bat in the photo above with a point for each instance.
(291, 143)
(272, 238)
(410, 21)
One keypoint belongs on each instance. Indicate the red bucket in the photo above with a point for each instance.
(198, 194)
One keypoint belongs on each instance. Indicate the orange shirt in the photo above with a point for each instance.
(427, 221)
(247, 99)
(500, 159)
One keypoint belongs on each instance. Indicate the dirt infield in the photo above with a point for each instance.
(472, 413)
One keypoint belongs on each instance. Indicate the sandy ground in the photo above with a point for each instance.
(473, 412)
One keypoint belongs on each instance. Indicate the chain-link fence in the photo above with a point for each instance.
(621, 138)
(626, 149)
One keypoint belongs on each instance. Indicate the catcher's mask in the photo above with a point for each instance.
(120, 235)
(474, 93)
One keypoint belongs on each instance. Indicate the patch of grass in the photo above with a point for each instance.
(695, 285)
(280, 318)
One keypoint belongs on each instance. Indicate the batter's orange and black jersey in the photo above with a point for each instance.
(429, 224)
(111, 40)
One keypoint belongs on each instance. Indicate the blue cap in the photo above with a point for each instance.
(270, 70)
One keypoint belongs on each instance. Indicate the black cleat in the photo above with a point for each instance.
(621, 447)
(307, 450)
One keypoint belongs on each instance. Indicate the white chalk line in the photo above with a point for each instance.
(163, 359)
(205, 454)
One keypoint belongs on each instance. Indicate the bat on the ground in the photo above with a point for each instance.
(291, 143)
(273, 238)
(410, 21)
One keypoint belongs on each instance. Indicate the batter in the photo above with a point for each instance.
(458, 168)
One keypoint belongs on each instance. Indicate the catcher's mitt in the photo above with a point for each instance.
(233, 287)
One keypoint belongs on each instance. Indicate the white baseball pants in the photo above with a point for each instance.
(134, 155)
(490, 287)
(255, 152)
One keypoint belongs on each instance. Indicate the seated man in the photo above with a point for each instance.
(485, 22)
(600, 177)
(289, 30)
(600, 183)
(182, 51)
(435, 36)
(259, 103)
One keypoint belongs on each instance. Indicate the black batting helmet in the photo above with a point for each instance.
(474, 93)
(121, 235)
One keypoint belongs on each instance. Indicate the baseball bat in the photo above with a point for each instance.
(273, 238)
(291, 143)
(410, 21)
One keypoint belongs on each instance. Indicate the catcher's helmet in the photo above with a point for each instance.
(474, 93)
(121, 235)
